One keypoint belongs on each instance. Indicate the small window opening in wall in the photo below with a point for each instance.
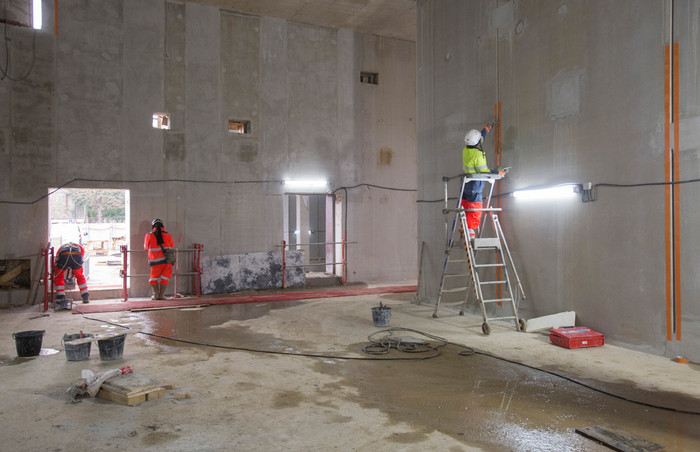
(161, 121)
(238, 126)
(369, 77)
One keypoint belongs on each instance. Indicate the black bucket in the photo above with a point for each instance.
(381, 316)
(28, 342)
(111, 348)
(78, 352)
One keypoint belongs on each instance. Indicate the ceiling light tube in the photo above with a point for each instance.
(558, 192)
(36, 15)
(306, 185)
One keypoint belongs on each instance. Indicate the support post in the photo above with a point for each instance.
(284, 264)
(123, 271)
(344, 279)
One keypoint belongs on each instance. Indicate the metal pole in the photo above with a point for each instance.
(123, 271)
(344, 278)
(176, 261)
(45, 254)
(195, 264)
(51, 273)
(284, 264)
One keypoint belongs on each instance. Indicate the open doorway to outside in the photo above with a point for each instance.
(97, 219)
(313, 224)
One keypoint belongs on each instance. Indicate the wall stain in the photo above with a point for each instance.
(385, 155)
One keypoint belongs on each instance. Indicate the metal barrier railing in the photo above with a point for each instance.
(343, 260)
(196, 272)
(47, 279)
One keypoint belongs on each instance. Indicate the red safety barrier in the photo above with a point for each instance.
(47, 254)
(196, 272)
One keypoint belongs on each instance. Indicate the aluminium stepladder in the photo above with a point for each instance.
(487, 264)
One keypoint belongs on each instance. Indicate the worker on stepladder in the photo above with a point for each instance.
(474, 161)
(161, 257)
(69, 256)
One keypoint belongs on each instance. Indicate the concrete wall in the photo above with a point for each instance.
(582, 89)
(84, 112)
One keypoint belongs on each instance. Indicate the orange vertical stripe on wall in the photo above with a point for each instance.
(677, 190)
(667, 190)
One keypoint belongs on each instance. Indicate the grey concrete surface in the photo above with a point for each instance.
(83, 114)
(582, 92)
(222, 399)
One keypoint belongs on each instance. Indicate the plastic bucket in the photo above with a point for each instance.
(28, 342)
(381, 316)
(111, 348)
(78, 352)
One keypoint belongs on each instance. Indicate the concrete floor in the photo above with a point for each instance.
(224, 399)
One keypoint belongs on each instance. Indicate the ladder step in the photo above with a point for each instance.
(491, 282)
(496, 300)
(456, 289)
(488, 265)
(454, 275)
(512, 317)
(487, 242)
(456, 260)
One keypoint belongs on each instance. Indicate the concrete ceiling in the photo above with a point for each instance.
(390, 18)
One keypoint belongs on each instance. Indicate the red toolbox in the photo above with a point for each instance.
(576, 337)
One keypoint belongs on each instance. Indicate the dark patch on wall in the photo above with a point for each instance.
(385, 155)
(223, 274)
(247, 152)
(174, 143)
(4, 141)
(223, 285)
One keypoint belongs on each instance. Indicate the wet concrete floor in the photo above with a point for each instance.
(479, 400)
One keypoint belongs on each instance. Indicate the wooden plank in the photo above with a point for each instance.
(131, 399)
(8, 276)
(99, 337)
(130, 383)
(551, 321)
(618, 439)
(131, 389)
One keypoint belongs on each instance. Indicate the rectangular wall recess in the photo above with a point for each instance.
(238, 126)
(369, 77)
(161, 121)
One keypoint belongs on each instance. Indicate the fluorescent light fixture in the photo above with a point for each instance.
(306, 183)
(36, 14)
(309, 184)
(559, 192)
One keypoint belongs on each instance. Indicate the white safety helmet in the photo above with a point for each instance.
(472, 137)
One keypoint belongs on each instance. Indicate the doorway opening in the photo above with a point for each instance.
(313, 223)
(97, 219)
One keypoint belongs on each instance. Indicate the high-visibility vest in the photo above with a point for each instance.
(474, 161)
(155, 252)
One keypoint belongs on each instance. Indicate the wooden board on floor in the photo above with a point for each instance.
(551, 321)
(131, 389)
(618, 439)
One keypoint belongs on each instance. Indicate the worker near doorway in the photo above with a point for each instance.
(69, 257)
(474, 162)
(161, 257)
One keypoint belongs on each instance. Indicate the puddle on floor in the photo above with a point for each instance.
(199, 325)
(502, 406)
(478, 400)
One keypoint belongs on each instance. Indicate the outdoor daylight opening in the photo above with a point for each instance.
(97, 219)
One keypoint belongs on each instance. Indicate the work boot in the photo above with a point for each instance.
(86, 297)
(161, 291)
(156, 292)
(61, 303)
